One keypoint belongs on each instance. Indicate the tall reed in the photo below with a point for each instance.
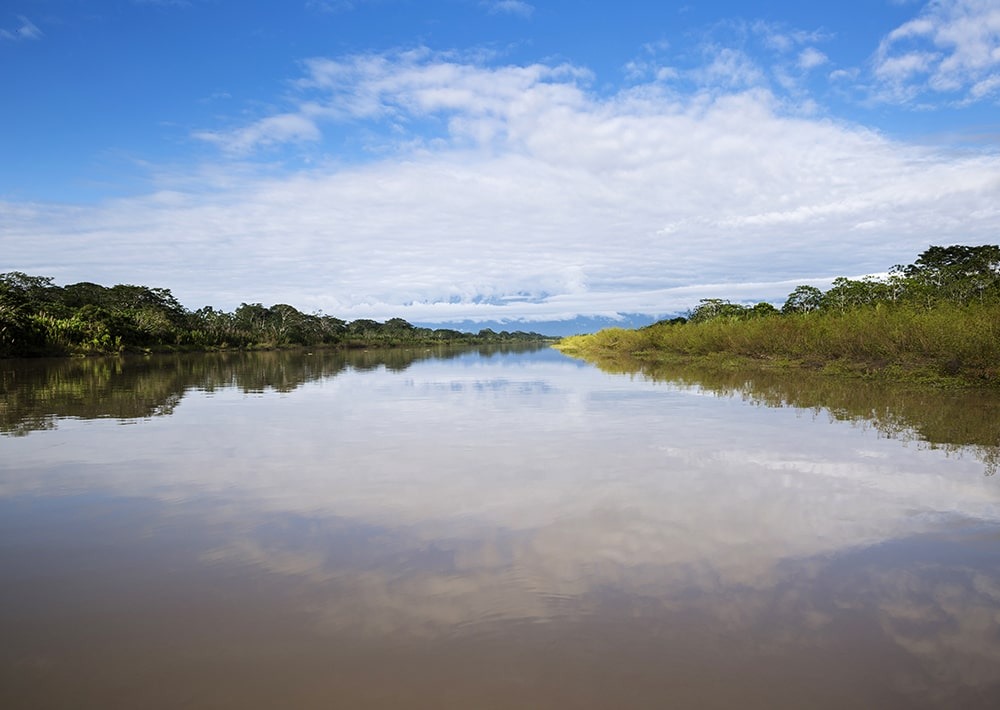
(950, 338)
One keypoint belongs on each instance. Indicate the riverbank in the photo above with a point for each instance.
(465, 341)
(948, 345)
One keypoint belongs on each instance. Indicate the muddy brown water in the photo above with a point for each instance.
(495, 529)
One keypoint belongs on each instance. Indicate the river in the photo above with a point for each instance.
(491, 529)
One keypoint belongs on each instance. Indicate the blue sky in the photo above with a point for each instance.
(487, 159)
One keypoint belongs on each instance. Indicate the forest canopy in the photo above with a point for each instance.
(38, 317)
(960, 275)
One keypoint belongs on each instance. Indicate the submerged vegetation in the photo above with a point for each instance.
(937, 319)
(38, 317)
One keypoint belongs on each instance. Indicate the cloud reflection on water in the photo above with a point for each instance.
(456, 498)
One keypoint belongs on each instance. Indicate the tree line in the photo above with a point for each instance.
(937, 319)
(958, 274)
(38, 317)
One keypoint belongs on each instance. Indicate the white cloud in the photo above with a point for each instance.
(783, 39)
(164, 3)
(535, 197)
(330, 6)
(647, 64)
(904, 66)
(26, 30)
(510, 7)
(842, 75)
(729, 69)
(737, 54)
(986, 87)
(810, 58)
(951, 51)
(283, 128)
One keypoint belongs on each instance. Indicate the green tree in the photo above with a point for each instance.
(331, 330)
(710, 308)
(250, 320)
(762, 310)
(364, 328)
(955, 262)
(803, 300)
(449, 334)
(846, 294)
(86, 293)
(286, 324)
(37, 293)
(20, 333)
(962, 274)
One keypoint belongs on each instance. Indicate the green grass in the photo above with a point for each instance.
(948, 343)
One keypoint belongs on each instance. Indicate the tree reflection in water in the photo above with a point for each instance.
(954, 420)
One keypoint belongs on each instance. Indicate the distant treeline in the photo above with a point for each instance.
(936, 317)
(38, 317)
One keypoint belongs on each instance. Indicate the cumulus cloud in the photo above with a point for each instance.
(810, 58)
(950, 50)
(518, 191)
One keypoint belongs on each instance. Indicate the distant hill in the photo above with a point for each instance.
(576, 326)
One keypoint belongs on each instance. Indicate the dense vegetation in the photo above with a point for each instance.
(38, 317)
(938, 317)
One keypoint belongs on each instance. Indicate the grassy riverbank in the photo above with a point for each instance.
(946, 344)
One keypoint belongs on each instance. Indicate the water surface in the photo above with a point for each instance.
(496, 529)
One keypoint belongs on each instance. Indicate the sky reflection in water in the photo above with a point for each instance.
(552, 534)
